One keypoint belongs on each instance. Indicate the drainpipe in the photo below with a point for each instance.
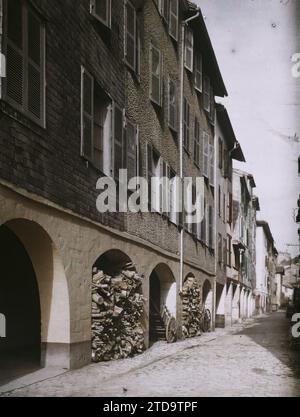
(183, 25)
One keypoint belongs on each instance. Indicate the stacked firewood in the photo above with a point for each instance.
(191, 308)
(117, 309)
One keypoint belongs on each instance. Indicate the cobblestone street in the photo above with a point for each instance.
(263, 364)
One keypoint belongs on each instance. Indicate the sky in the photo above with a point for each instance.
(254, 41)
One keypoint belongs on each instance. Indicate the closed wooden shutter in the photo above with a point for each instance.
(14, 52)
(189, 49)
(205, 154)
(197, 142)
(118, 139)
(24, 48)
(87, 114)
(34, 66)
(173, 23)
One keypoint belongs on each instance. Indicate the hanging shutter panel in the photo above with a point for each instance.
(14, 52)
(118, 140)
(87, 117)
(130, 35)
(212, 105)
(203, 224)
(131, 149)
(206, 93)
(173, 23)
(198, 72)
(165, 10)
(194, 225)
(155, 85)
(205, 154)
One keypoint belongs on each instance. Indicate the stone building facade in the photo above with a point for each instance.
(93, 87)
(245, 208)
(266, 280)
(227, 150)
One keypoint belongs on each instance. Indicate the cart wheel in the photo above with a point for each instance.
(206, 321)
(171, 330)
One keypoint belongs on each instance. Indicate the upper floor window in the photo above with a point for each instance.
(155, 75)
(101, 10)
(132, 38)
(108, 139)
(211, 163)
(205, 155)
(169, 10)
(189, 49)
(24, 48)
(220, 145)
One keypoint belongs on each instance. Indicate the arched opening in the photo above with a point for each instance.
(163, 293)
(207, 295)
(34, 295)
(117, 308)
(191, 307)
(20, 304)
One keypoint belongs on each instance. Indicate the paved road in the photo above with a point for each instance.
(250, 360)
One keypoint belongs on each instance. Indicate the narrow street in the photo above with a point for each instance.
(253, 359)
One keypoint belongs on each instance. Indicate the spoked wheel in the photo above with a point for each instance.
(171, 330)
(206, 321)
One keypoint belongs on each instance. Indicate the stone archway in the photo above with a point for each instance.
(46, 292)
(117, 308)
(163, 293)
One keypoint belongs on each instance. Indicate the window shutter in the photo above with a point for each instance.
(205, 154)
(220, 248)
(230, 208)
(189, 49)
(149, 172)
(198, 72)
(165, 9)
(211, 165)
(172, 105)
(186, 125)
(166, 189)
(131, 148)
(34, 66)
(173, 23)
(118, 140)
(130, 35)
(206, 93)
(155, 82)
(87, 116)
(211, 228)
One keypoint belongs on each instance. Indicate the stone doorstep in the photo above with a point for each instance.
(110, 370)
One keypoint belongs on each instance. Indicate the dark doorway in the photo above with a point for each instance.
(19, 301)
(157, 329)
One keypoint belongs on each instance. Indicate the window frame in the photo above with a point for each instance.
(174, 106)
(188, 30)
(198, 71)
(134, 37)
(205, 154)
(206, 93)
(176, 17)
(26, 60)
(197, 143)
